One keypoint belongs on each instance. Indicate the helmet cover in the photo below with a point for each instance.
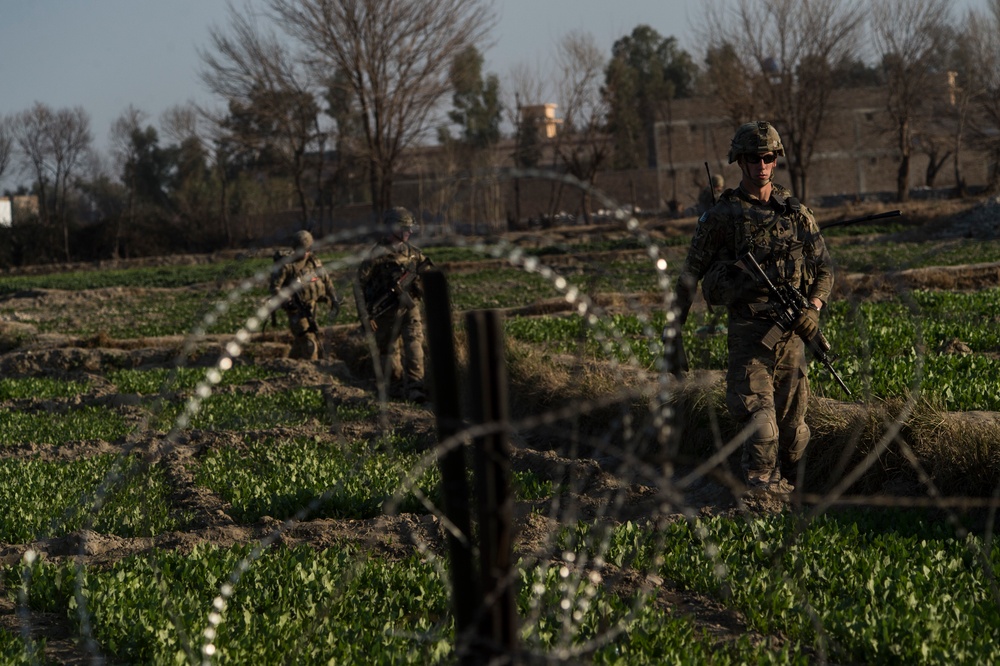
(756, 137)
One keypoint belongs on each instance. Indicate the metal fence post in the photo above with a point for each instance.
(466, 597)
(488, 378)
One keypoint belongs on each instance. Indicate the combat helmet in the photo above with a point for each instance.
(757, 137)
(302, 240)
(400, 219)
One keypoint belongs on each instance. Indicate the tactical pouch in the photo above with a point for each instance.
(722, 284)
(772, 336)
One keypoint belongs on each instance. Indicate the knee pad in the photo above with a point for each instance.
(797, 446)
(764, 427)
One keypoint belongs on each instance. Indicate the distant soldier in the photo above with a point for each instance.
(306, 283)
(710, 194)
(388, 292)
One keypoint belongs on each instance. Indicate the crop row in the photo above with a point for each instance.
(105, 493)
(855, 587)
(893, 256)
(840, 588)
(850, 257)
(266, 476)
(237, 605)
(885, 349)
(298, 478)
(148, 381)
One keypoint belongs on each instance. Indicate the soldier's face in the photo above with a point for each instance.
(759, 169)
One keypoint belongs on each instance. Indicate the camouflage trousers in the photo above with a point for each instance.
(401, 363)
(305, 346)
(767, 393)
(305, 342)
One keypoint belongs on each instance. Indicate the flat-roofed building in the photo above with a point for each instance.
(544, 117)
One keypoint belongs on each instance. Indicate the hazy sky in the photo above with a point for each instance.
(106, 54)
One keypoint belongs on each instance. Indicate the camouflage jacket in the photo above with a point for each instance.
(387, 262)
(781, 233)
(308, 278)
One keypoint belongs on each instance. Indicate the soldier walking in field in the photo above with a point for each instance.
(767, 387)
(388, 293)
(306, 284)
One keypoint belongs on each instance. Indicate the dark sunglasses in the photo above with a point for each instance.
(753, 158)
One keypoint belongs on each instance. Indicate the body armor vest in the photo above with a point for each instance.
(312, 287)
(774, 234)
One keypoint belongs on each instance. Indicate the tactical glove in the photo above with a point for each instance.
(673, 348)
(683, 298)
(807, 325)
(334, 310)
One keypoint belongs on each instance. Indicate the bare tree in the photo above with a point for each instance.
(524, 84)
(6, 144)
(181, 122)
(124, 152)
(583, 145)
(271, 97)
(219, 143)
(907, 39)
(733, 82)
(396, 55)
(191, 183)
(31, 129)
(969, 64)
(53, 144)
(71, 139)
(788, 49)
(983, 33)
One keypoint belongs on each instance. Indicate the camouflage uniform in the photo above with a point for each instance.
(309, 284)
(387, 262)
(767, 389)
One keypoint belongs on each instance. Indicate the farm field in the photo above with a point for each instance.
(177, 491)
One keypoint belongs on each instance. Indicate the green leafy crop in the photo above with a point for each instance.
(243, 410)
(40, 388)
(155, 608)
(106, 493)
(279, 478)
(881, 593)
(43, 427)
(154, 380)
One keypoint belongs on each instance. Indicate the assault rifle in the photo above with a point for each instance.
(786, 307)
(856, 220)
(304, 311)
(399, 295)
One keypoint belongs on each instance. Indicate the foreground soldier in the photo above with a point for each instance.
(308, 282)
(388, 305)
(767, 389)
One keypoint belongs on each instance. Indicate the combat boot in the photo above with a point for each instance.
(779, 484)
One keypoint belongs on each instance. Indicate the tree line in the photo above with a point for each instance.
(320, 101)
